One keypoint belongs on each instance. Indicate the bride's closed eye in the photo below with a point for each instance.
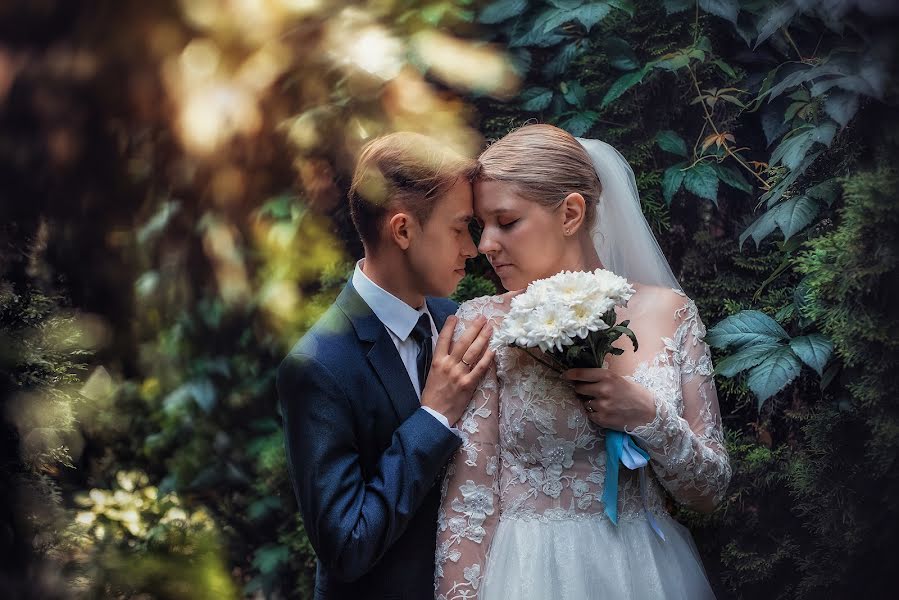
(508, 224)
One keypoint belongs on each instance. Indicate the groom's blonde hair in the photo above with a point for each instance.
(545, 164)
(402, 171)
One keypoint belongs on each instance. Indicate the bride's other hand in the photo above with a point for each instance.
(610, 400)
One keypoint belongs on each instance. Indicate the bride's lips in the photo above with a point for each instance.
(499, 266)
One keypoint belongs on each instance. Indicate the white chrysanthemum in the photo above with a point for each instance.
(555, 311)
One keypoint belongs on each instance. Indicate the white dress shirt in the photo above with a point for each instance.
(400, 319)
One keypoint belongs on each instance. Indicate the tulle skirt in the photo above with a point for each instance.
(587, 559)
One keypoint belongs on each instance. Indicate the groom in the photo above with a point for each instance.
(367, 395)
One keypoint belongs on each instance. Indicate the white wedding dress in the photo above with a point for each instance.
(521, 515)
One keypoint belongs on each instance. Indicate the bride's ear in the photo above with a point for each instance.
(574, 211)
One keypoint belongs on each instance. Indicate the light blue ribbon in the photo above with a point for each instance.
(621, 449)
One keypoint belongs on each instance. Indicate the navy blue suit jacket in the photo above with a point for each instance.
(364, 459)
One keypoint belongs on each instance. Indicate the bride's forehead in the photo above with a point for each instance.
(491, 197)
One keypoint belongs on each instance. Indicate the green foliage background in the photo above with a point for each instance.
(149, 289)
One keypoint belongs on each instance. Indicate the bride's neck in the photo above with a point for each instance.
(582, 257)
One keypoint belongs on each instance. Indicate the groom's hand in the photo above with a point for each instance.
(457, 368)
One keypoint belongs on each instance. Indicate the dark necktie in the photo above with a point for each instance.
(422, 336)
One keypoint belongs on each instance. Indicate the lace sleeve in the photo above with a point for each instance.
(469, 508)
(687, 447)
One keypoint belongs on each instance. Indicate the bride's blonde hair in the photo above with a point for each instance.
(545, 164)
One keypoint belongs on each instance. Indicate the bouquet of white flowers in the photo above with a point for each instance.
(571, 318)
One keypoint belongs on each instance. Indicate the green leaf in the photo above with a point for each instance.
(677, 61)
(671, 141)
(773, 195)
(526, 33)
(725, 68)
(536, 98)
(620, 54)
(841, 106)
(560, 62)
(790, 216)
(621, 85)
(702, 181)
(795, 214)
(827, 191)
(774, 19)
(745, 328)
(732, 177)
(792, 150)
(580, 123)
(814, 350)
(773, 374)
(676, 6)
(592, 13)
(672, 180)
(263, 507)
(726, 9)
(745, 358)
(624, 5)
(501, 10)
(574, 93)
(271, 557)
(552, 18)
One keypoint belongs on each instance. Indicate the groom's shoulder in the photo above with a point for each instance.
(330, 338)
(445, 305)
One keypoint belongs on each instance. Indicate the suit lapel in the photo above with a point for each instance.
(383, 356)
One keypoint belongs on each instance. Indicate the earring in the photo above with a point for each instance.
(567, 231)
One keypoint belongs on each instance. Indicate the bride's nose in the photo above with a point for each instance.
(487, 243)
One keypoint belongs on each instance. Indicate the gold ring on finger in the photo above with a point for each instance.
(466, 363)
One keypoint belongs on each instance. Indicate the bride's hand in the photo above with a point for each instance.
(611, 401)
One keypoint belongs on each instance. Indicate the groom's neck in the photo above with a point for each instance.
(391, 274)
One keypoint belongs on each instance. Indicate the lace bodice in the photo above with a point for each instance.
(529, 451)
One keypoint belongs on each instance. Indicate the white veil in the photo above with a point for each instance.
(622, 237)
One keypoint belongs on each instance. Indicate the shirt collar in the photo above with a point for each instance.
(397, 316)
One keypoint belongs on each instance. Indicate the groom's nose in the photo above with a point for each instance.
(469, 250)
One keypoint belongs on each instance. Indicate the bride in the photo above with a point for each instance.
(521, 514)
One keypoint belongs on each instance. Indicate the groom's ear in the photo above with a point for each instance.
(574, 212)
(399, 229)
